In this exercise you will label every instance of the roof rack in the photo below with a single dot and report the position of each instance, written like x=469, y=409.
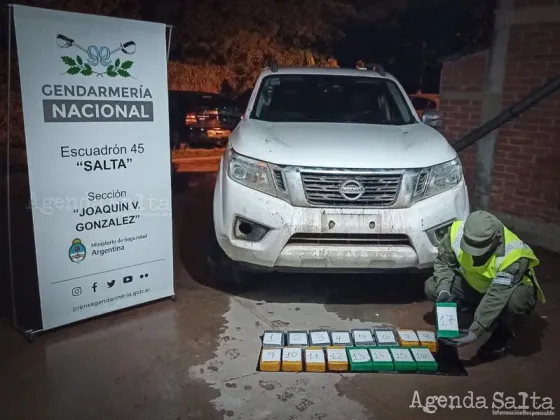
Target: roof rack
x=360, y=65
x=378, y=68
x=273, y=65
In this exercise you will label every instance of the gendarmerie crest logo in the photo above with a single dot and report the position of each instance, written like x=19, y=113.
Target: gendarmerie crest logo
x=99, y=59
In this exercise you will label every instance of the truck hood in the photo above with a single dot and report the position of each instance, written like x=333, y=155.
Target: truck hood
x=352, y=146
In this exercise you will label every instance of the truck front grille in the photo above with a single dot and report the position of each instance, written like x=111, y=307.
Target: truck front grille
x=378, y=239
x=279, y=179
x=323, y=189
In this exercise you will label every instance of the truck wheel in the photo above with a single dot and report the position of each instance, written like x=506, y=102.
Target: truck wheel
x=223, y=271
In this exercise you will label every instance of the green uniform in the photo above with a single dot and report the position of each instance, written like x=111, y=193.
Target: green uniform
x=503, y=288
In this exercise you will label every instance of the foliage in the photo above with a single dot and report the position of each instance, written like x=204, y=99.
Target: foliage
x=203, y=29
x=411, y=35
x=197, y=77
x=228, y=42
x=245, y=36
x=118, y=8
x=222, y=78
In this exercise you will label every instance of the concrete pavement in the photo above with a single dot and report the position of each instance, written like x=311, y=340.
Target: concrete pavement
x=196, y=357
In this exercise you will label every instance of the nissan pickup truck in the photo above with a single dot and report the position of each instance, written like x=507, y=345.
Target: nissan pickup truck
x=332, y=170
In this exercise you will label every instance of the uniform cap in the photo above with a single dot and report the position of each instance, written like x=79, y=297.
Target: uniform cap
x=480, y=230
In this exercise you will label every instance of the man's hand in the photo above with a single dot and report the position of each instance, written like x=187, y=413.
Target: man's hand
x=465, y=337
x=444, y=296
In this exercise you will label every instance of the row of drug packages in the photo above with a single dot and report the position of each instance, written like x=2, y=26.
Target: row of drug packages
x=382, y=337
x=343, y=359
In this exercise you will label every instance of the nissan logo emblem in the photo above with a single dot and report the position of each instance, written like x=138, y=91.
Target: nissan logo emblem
x=351, y=190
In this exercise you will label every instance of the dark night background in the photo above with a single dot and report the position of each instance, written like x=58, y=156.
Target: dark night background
x=406, y=36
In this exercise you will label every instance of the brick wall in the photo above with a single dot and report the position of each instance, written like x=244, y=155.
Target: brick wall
x=526, y=177
x=462, y=83
x=465, y=74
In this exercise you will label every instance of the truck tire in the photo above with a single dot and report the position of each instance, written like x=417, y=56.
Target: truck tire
x=223, y=271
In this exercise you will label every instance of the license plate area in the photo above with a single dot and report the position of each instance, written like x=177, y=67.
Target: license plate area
x=341, y=223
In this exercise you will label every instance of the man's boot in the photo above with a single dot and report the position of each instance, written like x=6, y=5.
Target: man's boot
x=497, y=346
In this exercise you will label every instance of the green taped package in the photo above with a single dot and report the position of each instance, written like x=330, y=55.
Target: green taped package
x=381, y=360
x=424, y=359
x=447, y=320
x=360, y=359
x=404, y=362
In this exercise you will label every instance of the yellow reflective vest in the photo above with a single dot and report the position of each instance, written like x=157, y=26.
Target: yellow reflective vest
x=480, y=277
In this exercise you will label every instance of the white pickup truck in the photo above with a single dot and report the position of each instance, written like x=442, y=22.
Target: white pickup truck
x=332, y=170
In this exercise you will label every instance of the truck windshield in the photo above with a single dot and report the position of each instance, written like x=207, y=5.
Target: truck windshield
x=331, y=99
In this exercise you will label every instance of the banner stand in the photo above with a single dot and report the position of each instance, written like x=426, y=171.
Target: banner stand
x=30, y=334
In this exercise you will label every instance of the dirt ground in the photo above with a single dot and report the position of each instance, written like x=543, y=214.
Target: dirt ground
x=196, y=357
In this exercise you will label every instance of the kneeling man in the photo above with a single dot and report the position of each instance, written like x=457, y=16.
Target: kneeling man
x=483, y=266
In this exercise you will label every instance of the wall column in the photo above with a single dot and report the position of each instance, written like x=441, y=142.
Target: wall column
x=492, y=103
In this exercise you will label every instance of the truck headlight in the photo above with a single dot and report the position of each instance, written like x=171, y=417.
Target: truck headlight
x=250, y=172
x=437, y=179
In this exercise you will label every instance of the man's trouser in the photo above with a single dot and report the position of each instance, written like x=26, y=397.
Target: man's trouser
x=521, y=303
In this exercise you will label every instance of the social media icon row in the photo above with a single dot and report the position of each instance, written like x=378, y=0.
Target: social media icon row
x=77, y=291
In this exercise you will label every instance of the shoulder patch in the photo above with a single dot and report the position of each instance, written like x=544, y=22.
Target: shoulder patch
x=504, y=279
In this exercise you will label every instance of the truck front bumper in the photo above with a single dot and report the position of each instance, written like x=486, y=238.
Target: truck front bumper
x=331, y=239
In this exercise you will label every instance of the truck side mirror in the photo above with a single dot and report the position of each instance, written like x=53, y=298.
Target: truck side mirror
x=433, y=118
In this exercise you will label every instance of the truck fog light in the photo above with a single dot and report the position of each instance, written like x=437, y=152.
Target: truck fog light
x=437, y=233
x=249, y=231
x=245, y=228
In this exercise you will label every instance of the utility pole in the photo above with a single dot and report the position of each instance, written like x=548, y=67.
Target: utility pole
x=492, y=103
